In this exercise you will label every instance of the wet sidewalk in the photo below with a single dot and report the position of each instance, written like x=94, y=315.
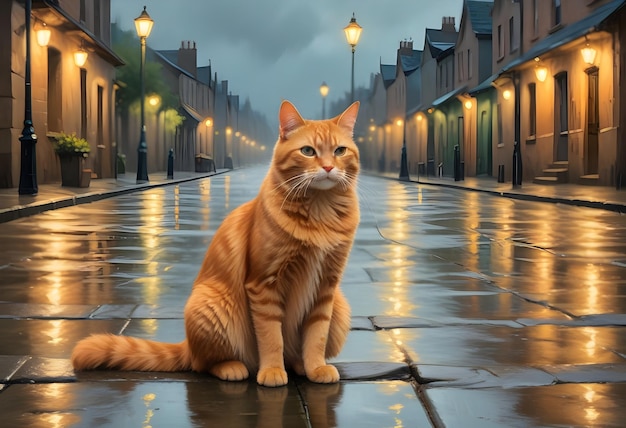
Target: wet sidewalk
x=462, y=314
x=602, y=197
x=53, y=196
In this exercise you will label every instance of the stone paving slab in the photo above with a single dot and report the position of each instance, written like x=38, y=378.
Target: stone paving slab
x=564, y=405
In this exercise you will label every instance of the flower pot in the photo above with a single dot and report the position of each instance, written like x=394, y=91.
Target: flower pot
x=72, y=174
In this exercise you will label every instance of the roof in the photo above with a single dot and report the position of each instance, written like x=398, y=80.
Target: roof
x=410, y=63
x=388, y=73
x=171, y=58
x=439, y=41
x=480, y=16
x=204, y=75
x=442, y=99
x=192, y=112
x=567, y=34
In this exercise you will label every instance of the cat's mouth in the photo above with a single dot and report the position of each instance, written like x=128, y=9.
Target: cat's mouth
x=323, y=183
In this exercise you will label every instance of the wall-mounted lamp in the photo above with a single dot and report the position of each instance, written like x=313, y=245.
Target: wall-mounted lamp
x=399, y=122
x=468, y=104
x=43, y=35
x=80, y=56
x=208, y=122
x=506, y=94
x=419, y=117
x=541, y=71
x=589, y=54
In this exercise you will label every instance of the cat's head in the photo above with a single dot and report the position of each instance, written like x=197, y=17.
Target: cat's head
x=316, y=154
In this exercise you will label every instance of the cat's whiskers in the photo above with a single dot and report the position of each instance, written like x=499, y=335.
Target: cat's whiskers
x=293, y=187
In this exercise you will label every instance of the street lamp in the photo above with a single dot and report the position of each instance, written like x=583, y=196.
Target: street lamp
x=353, y=32
x=28, y=165
x=143, y=25
x=324, y=92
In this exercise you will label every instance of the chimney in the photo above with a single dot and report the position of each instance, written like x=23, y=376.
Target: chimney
x=187, y=58
x=447, y=24
x=406, y=47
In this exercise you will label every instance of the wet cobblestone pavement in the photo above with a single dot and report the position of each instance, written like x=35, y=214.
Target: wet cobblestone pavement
x=469, y=310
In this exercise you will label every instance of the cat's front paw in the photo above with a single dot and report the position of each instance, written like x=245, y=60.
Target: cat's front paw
x=324, y=374
x=230, y=370
x=272, y=376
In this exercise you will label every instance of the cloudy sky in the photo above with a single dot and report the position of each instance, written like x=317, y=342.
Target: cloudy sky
x=284, y=49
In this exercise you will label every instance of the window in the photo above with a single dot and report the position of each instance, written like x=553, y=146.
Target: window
x=97, y=24
x=556, y=12
x=83, y=103
x=55, y=93
x=499, y=122
x=469, y=64
x=535, y=18
x=513, y=39
x=82, y=13
x=532, y=110
x=460, y=66
x=500, y=43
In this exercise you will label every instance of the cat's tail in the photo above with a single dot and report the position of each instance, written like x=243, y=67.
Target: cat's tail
x=108, y=351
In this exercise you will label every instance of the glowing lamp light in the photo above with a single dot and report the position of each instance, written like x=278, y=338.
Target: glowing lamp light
x=154, y=100
x=43, y=35
x=589, y=54
x=399, y=122
x=353, y=32
x=506, y=94
x=468, y=104
x=80, y=57
x=143, y=24
x=419, y=118
x=541, y=72
x=324, y=89
x=208, y=122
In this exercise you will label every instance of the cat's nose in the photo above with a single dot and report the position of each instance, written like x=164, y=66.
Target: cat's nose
x=328, y=168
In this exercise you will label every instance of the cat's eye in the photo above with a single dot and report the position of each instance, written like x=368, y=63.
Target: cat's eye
x=340, y=151
x=308, y=151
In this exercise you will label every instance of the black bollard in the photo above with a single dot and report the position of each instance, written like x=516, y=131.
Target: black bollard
x=500, y=173
x=457, y=163
x=170, y=164
x=404, y=165
x=517, y=165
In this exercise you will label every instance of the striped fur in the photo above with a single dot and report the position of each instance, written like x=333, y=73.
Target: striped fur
x=267, y=295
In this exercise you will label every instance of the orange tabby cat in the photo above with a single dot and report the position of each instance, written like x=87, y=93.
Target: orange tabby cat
x=267, y=295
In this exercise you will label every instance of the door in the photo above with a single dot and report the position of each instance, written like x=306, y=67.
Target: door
x=561, y=119
x=593, y=119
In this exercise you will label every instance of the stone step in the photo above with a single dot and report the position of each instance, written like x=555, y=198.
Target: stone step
x=589, y=179
x=547, y=180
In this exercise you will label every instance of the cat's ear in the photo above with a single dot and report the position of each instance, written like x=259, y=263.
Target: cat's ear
x=347, y=119
x=289, y=119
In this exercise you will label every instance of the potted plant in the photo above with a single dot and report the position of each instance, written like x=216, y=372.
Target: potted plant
x=72, y=152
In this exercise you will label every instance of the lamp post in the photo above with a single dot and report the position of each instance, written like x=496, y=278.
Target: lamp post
x=353, y=32
x=143, y=25
x=28, y=165
x=324, y=92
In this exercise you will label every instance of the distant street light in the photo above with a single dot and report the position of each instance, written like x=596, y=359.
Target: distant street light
x=324, y=92
x=353, y=32
x=28, y=165
x=143, y=25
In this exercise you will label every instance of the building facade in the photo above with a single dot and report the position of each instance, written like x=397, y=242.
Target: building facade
x=66, y=96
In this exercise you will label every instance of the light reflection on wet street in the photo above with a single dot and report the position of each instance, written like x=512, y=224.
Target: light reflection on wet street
x=469, y=306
